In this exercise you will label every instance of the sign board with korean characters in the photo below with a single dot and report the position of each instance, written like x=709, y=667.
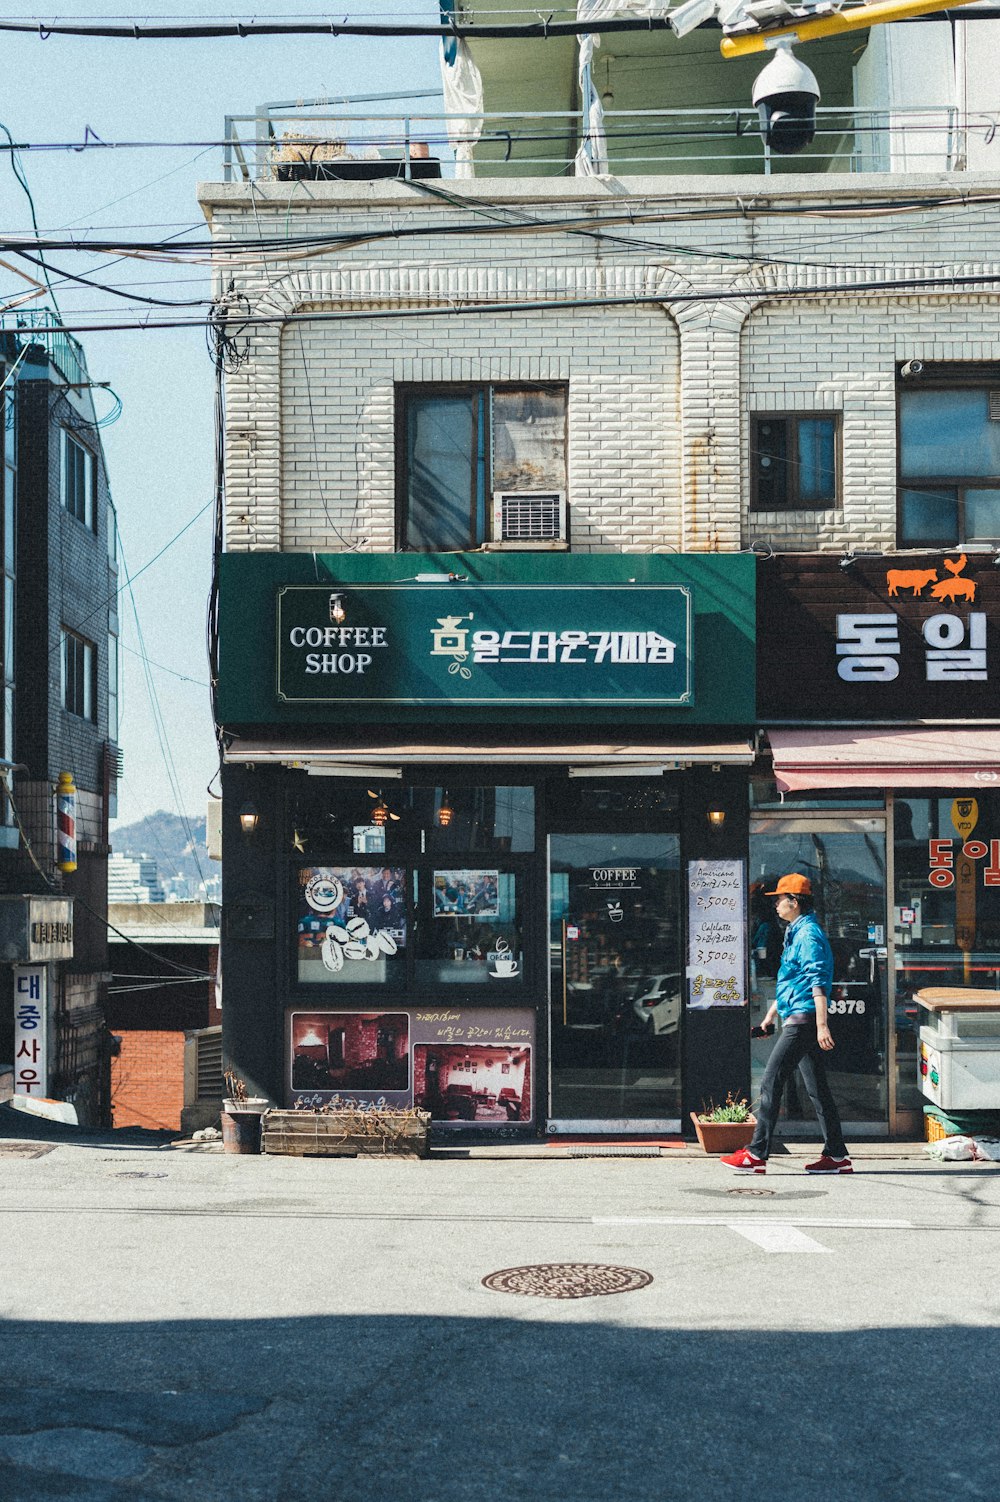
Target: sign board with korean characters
x=641, y=639
x=907, y=637
x=36, y=928
x=30, y=1024
x=473, y=644
x=717, y=934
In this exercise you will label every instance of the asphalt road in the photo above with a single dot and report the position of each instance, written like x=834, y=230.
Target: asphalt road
x=191, y=1325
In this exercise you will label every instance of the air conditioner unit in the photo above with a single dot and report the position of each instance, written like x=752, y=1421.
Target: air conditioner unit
x=535, y=518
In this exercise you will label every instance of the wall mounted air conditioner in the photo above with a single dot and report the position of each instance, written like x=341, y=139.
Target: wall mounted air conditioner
x=529, y=519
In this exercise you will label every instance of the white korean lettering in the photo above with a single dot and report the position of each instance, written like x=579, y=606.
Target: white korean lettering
x=867, y=645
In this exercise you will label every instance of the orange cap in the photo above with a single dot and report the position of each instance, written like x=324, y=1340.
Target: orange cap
x=794, y=884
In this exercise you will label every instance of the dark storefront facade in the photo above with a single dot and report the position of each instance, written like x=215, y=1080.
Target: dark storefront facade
x=484, y=833
x=880, y=711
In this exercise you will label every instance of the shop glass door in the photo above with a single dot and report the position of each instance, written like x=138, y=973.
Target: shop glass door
x=616, y=979
x=845, y=858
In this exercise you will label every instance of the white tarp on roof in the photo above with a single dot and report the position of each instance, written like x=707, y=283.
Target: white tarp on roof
x=592, y=157
x=463, y=93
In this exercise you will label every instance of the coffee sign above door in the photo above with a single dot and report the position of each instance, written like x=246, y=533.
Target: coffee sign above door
x=882, y=637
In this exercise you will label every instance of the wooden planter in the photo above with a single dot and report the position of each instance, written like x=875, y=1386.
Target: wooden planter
x=724, y=1136
x=336, y=1134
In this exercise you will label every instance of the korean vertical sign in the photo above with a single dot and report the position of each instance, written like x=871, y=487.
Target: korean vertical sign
x=30, y=1015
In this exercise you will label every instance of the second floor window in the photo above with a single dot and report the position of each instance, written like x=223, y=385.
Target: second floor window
x=464, y=451
x=794, y=462
x=78, y=480
x=949, y=465
x=79, y=675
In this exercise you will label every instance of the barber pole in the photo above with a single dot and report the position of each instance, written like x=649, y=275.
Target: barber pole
x=66, y=822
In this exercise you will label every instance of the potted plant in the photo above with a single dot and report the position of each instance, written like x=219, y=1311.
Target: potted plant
x=346, y=1128
x=725, y=1128
x=241, y=1115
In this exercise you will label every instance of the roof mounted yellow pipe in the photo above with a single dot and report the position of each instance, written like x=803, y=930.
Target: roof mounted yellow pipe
x=856, y=19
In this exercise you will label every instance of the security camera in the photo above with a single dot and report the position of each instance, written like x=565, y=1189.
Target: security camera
x=686, y=17
x=911, y=369
x=786, y=95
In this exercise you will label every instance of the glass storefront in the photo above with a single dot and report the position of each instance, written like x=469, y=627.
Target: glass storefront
x=845, y=858
x=946, y=909
x=616, y=978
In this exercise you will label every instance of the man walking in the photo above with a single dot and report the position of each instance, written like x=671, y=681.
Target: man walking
x=801, y=995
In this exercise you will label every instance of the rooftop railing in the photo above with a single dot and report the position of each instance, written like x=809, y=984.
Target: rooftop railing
x=281, y=145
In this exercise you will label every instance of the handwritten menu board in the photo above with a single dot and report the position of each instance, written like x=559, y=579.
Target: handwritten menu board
x=716, y=934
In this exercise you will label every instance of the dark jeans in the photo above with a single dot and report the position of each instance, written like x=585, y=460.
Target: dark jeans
x=797, y=1047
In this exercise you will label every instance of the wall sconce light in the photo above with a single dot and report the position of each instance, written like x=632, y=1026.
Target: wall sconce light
x=249, y=819
x=716, y=817
x=445, y=813
x=337, y=612
x=847, y=561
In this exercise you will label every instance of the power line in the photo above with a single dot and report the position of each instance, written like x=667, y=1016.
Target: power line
x=537, y=29
x=456, y=308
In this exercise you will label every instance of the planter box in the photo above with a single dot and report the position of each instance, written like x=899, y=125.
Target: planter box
x=335, y=1134
x=724, y=1136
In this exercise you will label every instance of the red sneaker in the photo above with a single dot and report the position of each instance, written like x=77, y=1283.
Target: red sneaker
x=830, y=1165
x=745, y=1162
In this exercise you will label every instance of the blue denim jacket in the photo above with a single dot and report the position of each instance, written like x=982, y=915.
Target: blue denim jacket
x=806, y=961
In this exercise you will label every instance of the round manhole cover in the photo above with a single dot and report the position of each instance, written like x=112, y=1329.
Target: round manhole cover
x=567, y=1280
x=138, y=1174
x=760, y=1194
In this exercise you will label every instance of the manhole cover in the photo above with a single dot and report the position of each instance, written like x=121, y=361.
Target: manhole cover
x=25, y=1149
x=567, y=1280
x=139, y=1174
x=760, y=1194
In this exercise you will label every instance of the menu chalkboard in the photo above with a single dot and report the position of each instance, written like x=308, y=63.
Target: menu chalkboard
x=716, y=934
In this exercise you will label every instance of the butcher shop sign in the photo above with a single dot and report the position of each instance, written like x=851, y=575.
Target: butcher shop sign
x=880, y=637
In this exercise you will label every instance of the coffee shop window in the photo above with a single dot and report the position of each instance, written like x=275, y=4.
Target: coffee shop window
x=480, y=464
x=794, y=461
x=469, y=927
x=327, y=815
x=949, y=462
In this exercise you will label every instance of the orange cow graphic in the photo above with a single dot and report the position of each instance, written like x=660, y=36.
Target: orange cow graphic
x=914, y=579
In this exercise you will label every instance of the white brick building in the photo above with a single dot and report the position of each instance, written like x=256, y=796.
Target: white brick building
x=731, y=362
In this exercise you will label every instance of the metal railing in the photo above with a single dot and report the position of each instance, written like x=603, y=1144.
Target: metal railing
x=287, y=145
x=65, y=352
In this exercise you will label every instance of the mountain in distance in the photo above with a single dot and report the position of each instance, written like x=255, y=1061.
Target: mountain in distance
x=176, y=845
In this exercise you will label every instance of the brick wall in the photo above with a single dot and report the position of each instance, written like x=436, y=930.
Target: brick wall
x=147, y=1080
x=659, y=395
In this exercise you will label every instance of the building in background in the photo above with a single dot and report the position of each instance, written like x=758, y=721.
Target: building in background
x=605, y=527
x=134, y=879
x=163, y=994
x=59, y=715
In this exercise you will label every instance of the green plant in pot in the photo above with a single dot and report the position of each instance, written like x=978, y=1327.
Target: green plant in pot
x=725, y=1128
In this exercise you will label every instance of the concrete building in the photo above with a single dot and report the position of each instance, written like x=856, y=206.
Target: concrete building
x=59, y=715
x=134, y=879
x=609, y=528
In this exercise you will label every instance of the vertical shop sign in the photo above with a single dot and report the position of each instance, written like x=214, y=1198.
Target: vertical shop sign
x=716, y=934
x=30, y=1063
x=965, y=816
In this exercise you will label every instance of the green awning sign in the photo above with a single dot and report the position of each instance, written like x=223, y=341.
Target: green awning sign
x=466, y=643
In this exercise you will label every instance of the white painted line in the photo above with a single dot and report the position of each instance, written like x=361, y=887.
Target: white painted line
x=780, y=1238
x=751, y=1220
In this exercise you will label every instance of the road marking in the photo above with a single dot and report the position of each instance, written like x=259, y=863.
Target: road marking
x=780, y=1238
x=752, y=1221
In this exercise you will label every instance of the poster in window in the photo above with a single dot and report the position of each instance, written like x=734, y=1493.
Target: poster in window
x=466, y=894
x=351, y=921
x=716, y=934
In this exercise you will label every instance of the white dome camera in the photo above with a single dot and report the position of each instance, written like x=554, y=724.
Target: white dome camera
x=786, y=95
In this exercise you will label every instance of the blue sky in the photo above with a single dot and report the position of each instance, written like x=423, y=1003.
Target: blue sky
x=159, y=452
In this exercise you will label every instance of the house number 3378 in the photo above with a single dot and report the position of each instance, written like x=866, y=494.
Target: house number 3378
x=846, y=1004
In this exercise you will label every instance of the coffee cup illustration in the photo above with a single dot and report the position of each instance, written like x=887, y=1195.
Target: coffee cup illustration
x=504, y=963
x=615, y=911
